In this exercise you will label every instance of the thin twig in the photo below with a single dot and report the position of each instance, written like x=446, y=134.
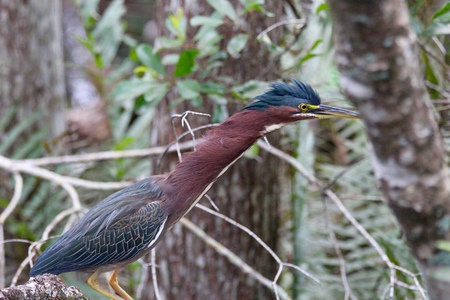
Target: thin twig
x=19, y=270
x=254, y=236
x=154, y=277
x=275, y=279
x=106, y=155
x=63, y=181
x=291, y=160
x=18, y=186
x=341, y=259
x=300, y=22
x=212, y=202
x=392, y=267
x=233, y=258
x=59, y=217
x=184, y=122
x=45, y=237
x=17, y=241
x=143, y=280
x=243, y=228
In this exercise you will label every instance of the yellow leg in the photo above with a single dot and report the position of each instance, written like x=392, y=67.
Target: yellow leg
x=93, y=282
x=114, y=283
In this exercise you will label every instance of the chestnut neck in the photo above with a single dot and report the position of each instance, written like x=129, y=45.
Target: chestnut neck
x=223, y=145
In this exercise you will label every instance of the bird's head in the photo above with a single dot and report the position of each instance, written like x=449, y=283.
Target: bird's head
x=295, y=102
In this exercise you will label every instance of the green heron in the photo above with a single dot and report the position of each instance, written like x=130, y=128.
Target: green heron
x=129, y=223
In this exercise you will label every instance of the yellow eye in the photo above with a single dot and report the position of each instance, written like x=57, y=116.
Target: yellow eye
x=303, y=107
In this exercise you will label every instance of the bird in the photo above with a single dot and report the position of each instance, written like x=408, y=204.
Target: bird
x=129, y=223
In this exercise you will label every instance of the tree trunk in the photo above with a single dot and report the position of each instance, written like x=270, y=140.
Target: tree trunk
x=378, y=59
x=31, y=61
x=250, y=192
x=31, y=87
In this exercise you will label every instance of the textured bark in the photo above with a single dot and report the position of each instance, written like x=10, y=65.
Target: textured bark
x=43, y=287
x=250, y=193
x=80, y=89
x=87, y=119
x=31, y=60
x=32, y=79
x=378, y=59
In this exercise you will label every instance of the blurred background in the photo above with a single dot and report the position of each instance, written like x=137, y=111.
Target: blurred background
x=88, y=76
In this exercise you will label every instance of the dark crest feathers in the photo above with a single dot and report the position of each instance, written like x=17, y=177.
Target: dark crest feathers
x=285, y=94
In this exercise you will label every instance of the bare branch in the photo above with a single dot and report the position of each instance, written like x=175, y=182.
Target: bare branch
x=298, y=22
x=106, y=155
x=184, y=122
x=63, y=181
x=15, y=198
x=392, y=267
x=233, y=258
x=38, y=288
x=154, y=277
x=254, y=236
x=9, y=209
x=337, y=250
x=290, y=160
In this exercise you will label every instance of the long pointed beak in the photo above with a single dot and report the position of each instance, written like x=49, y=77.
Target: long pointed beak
x=325, y=112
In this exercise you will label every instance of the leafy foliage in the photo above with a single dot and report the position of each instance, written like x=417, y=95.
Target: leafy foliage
x=180, y=66
x=23, y=139
x=433, y=30
x=184, y=67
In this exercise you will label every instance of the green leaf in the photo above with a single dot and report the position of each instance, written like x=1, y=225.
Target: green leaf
x=18, y=129
x=209, y=39
x=218, y=99
x=443, y=245
x=249, y=89
x=177, y=24
x=254, y=7
x=307, y=57
x=87, y=8
x=316, y=43
x=30, y=144
x=322, y=7
x=441, y=273
x=443, y=12
x=124, y=143
x=208, y=21
x=431, y=75
x=130, y=89
x=168, y=43
x=437, y=29
x=140, y=71
x=150, y=59
x=156, y=94
x=224, y=8
x=197, y=102
x=171, y=59
x=88, y=43
x=185, y=63
x=220, y=114
x=441, y=22
x=257, y=6
x=7, y=116
x=236, y=44
x=252, y=152
x=188, y=89
x=211, y=87
x=109, y=32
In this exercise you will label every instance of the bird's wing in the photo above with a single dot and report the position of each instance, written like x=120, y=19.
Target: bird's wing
x=122, y=240
x=115, y=230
